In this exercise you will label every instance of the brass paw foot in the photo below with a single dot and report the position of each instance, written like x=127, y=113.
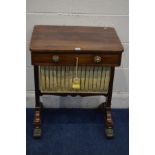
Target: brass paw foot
x=109, y=132
x=37, y=132
x=37, y=123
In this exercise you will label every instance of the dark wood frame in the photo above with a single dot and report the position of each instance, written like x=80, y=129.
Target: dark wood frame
x=94, y=41
x=105, y=107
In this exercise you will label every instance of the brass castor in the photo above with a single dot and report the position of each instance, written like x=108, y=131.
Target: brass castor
x=37, y=132
x=109, y=132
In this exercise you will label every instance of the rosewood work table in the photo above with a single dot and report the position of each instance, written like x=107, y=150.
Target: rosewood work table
x=74, y=60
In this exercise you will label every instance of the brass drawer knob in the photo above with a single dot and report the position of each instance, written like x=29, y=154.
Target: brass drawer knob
x=97, y=59
x=55, y=58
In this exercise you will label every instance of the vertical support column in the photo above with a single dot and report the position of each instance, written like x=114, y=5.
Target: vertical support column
x=107, y=108
x=38, y=105
x=109, y=97
x=36, y=84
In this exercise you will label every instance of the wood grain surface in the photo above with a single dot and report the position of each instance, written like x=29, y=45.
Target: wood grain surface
x=75, y=39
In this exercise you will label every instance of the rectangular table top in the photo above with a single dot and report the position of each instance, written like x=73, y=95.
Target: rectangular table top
x=46, y=38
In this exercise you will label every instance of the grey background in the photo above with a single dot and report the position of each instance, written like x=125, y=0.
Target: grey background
x=83, y=13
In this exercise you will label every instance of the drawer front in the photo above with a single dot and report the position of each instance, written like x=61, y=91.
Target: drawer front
x=70, y=59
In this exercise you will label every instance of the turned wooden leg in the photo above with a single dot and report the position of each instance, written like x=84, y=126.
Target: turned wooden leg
x=108, y=122
x=37, y=123
x=106, y=108
x=37, y=132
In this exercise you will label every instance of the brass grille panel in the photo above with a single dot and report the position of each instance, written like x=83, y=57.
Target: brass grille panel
x=93, y=79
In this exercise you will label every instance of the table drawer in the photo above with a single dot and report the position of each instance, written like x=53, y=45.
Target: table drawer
x=70, y=59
